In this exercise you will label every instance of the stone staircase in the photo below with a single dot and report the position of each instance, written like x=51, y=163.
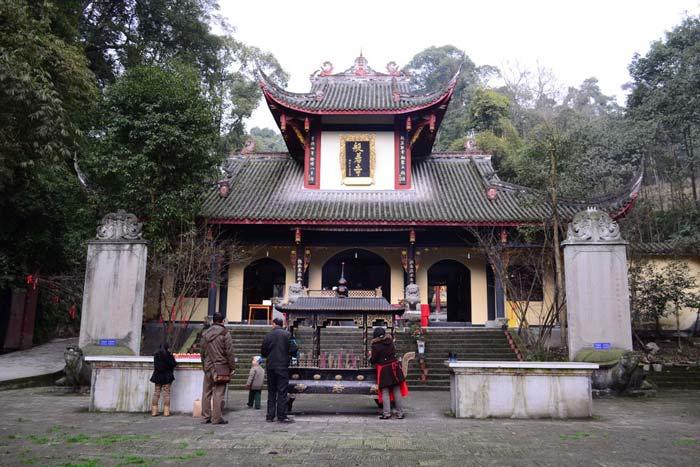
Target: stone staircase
x=246, y=344
x=475, y=344
x=677, y=377
x=467, y=343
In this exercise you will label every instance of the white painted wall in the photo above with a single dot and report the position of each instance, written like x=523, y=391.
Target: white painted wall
x=331, y=177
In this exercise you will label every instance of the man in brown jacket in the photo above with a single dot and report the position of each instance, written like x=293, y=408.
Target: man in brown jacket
x=217, y=360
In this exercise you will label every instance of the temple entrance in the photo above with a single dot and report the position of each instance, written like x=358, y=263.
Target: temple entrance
x=449, y=290
x=263, y=280
x=364, y=270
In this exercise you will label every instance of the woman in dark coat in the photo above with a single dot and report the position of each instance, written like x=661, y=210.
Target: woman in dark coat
x=390, y=377
x=163, y=366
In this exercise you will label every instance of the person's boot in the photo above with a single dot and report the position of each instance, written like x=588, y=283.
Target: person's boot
x=154, y=411
x=166, y=410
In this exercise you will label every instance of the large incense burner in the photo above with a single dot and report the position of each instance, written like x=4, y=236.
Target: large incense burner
x=320, y=372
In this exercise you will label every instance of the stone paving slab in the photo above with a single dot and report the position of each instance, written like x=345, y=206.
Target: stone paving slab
x=45, y=426
x=40, y=360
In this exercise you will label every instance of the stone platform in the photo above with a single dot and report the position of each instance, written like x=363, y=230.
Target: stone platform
x=121, y=384
x=521, y=389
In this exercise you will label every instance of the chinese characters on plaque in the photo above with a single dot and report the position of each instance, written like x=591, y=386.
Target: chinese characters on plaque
x=313, y=163
x=402, y=159
x=357, y=158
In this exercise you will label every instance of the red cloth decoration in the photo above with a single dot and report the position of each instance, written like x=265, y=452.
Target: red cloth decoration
x=402, y=385
x=73, y=311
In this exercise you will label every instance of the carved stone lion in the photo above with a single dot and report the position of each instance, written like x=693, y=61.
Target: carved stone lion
x=625, y=377
x=412, y=296
x=77, y=371
x=296, y=290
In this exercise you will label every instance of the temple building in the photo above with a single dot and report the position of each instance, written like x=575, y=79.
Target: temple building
x=360, y=185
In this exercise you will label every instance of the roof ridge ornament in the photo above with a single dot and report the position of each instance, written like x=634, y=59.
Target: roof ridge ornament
x=393, y=68
x=326, y=68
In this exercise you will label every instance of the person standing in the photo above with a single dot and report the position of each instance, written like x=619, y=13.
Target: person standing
x=390, y=377
x=256, y=379
x=218, y=364
x=163, y=376
x=277, y=349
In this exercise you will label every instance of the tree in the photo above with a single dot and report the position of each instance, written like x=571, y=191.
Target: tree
x=46, y=97
x=655, y=289
x=665, y=90
x=589, y=100
x=121, y=34
x=431, y=69
x=187, y=262
x=267, y=140
x=153, y=149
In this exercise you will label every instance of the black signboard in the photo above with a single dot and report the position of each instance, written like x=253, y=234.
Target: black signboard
x=357, y=159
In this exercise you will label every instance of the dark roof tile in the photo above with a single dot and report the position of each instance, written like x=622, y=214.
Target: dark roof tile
x=446, y=190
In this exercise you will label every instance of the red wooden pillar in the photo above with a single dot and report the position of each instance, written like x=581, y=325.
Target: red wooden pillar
x=29, y=317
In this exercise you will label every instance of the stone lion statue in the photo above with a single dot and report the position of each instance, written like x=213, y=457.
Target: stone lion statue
x=77, y=371
x=624, y=377
x=296, y=290
x=412, y=296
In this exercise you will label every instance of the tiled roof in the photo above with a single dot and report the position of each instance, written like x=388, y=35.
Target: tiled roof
x=358, y=88
x=668, y=248
x=447, y=190
x=349, y=304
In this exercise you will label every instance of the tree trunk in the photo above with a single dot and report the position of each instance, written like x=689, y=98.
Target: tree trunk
x=678, y=326
x=556, y=248
x=691, y=158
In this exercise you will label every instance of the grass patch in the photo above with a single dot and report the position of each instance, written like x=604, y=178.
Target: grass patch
x=12, y=437
x=686, y=442
x=182, y=445
x=107, y=440
x=189, y=455
x=576, y=436
x=79, y=438
x=131, y=459
x=83, y=463
x=37, y=439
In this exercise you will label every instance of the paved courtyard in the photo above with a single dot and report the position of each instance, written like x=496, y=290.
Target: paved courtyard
x=42, y=426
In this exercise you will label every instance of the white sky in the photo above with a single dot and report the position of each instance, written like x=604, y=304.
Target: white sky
x=576, y=39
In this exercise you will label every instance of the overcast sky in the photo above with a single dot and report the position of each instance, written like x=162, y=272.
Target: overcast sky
x=576, y=39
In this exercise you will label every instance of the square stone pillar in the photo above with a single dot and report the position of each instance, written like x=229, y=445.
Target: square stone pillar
x=115, y=277
x=597, y=289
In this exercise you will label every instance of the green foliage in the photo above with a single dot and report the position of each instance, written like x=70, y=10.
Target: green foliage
x=665, y=93
x=431, y=69
x=153, y=151
x=46, y=97
x=267, y=140
x=488, y=110
x=659, y=292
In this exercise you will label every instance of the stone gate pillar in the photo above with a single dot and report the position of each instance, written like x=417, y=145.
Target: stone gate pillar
x=597, y=291
x=115, y=276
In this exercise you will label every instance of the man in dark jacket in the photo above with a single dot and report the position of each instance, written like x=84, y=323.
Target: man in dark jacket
x=276, y=348
x=218, y=363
